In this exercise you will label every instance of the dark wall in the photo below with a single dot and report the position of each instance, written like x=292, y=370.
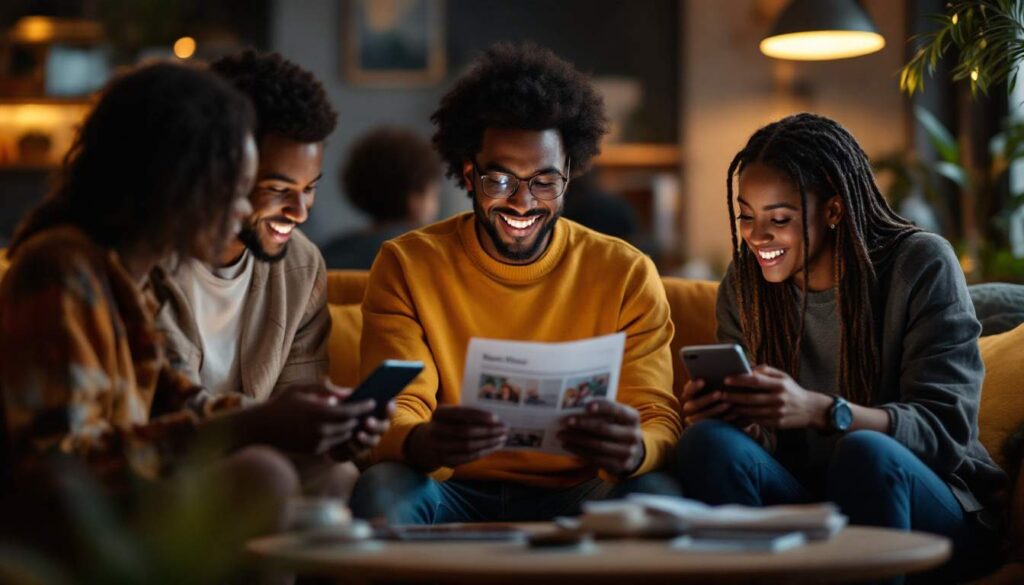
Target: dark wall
x=602, y=37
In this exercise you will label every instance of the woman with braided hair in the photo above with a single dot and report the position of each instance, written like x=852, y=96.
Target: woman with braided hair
x=868, y=380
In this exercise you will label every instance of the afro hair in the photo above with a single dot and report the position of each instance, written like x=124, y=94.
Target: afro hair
x=385, y=167
x=524, y=87
x=288, y=99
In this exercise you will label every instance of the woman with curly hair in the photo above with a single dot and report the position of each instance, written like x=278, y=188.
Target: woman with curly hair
x=161, y=167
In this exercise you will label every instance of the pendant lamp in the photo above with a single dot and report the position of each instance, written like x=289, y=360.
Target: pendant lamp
x=821, y=30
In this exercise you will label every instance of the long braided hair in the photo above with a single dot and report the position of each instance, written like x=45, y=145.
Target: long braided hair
x=821, y=159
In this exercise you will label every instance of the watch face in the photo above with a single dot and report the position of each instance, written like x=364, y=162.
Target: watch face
x=842, y=415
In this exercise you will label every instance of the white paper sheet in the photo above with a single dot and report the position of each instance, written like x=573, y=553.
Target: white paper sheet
x=530, y=386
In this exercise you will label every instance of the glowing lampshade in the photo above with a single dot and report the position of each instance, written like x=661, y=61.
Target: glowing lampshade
x=820, y=30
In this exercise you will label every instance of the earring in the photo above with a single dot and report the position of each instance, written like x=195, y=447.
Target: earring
x=832, y=226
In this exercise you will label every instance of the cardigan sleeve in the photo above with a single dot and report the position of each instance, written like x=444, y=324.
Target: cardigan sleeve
x=941, y=373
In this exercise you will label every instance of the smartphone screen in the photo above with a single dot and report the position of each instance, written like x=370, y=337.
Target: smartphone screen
x=714, y=363
x=386, y=382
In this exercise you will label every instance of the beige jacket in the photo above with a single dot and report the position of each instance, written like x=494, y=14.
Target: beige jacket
x=285, y=323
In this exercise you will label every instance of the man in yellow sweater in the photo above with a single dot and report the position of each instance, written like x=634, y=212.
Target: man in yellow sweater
x=512, y=132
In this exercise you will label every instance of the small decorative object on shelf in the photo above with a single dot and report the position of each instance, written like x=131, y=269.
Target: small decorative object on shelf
x=34, y=148
x=48, y=69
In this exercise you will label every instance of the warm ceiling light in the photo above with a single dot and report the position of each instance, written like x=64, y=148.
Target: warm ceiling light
x=184, y=47
x=819, y=30
x=42, y=30
x=34, y=29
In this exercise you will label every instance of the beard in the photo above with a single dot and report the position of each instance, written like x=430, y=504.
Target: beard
x=249, y=235
x=506, y=251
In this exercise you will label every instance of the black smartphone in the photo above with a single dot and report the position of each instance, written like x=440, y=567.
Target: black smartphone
x=714, y=363
x=386, y=382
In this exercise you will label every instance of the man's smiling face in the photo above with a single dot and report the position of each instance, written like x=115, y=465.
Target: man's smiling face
x=516, y=230
x=284, y=194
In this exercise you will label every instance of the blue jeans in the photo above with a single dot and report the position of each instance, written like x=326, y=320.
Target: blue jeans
x=405, y=496
x=873, y=479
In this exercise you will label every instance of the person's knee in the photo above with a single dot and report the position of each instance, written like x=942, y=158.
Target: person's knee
x=868, y=460
x=384, y=487
x=865, y=451
x=267, y=468
x=336, y=480
x=655, y=483
x=261, y=482
x=389, y=475
x=708, y=441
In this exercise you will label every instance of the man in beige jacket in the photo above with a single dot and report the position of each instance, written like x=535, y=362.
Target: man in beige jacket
x=257, y=320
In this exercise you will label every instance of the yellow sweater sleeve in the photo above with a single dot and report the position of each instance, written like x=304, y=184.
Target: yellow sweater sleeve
x=392, y=330
x=646, y=379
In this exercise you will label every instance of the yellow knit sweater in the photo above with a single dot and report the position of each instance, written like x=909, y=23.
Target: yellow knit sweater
x=433, y=289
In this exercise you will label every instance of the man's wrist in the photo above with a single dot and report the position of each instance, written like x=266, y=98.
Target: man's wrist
x=639, y=462
x=413, y=450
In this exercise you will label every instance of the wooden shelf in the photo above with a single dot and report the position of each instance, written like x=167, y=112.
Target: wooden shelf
x=45, y=101
x=640, y=155
x=20, y=168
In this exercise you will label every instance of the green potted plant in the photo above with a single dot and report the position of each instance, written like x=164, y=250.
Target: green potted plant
x=988, y=36
x=986, y=40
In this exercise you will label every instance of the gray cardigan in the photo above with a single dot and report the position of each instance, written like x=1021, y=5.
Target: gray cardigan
x=931, y=369
x=285, y=322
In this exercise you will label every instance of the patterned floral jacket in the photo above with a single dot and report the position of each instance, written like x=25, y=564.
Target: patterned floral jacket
x=82, y=368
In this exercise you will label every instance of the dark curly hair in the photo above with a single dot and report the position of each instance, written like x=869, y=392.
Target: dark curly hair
x=385, y=167
x=156, y=162
x=289, y=100
x=524, y=87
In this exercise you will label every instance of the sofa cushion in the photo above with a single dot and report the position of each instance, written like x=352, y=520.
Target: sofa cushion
x=692, y=303
x=1002, y=394
x=346, y=287
x=999, y=306
x=343, y=344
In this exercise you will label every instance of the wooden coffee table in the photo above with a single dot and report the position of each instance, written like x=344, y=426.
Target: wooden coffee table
x=855, y=554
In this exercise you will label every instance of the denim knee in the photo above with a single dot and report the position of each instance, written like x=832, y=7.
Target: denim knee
x=713, y=462
x=865, y=455
x=709, y=442
x=654, y=483
x=386, y=489
x=866, y=471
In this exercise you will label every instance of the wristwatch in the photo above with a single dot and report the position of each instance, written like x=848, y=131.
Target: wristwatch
x=840, y=415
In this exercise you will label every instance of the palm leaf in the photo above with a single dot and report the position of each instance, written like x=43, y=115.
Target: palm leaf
x=989, y=35
x=941, y=138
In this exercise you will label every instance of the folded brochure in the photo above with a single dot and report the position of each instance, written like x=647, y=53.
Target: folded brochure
x=531, y=386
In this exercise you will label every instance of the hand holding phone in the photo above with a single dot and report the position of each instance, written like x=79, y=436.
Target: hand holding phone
x=385, y=383
x=708, y=366
x=381, y=386
x=714, y=363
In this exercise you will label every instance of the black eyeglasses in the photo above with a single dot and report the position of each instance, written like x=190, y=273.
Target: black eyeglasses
x=544, y=185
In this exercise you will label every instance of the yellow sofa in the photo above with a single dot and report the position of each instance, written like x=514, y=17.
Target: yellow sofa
x=693, y=314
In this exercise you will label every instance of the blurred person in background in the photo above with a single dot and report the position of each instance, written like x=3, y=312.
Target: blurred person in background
x=392, y=175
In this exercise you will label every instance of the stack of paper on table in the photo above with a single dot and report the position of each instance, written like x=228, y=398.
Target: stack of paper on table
x=815, y=521
x=698, y=527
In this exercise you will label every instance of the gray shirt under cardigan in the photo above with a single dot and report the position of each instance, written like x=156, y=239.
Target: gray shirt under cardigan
x=931, y=370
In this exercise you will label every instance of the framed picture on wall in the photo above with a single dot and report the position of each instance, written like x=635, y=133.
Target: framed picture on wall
x=393, y=43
